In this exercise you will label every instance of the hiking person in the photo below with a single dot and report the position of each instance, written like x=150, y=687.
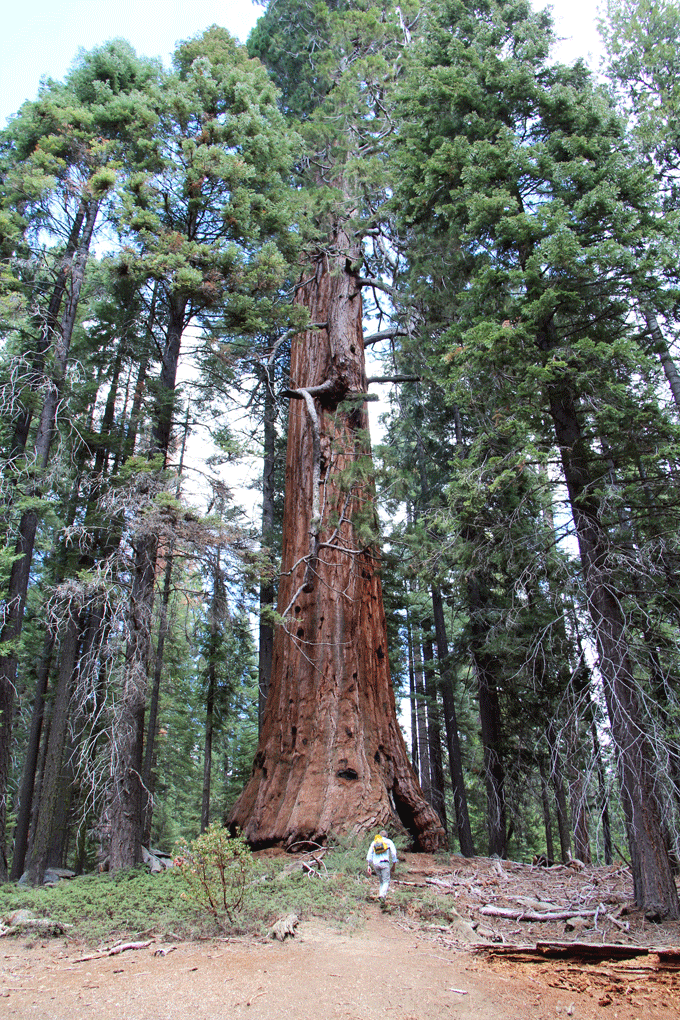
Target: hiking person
x=382, y=854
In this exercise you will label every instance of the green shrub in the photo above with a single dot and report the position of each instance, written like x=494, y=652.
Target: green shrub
x=216, y=868
x=95, y=908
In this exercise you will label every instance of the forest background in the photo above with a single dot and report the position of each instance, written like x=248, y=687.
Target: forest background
x=518, y=259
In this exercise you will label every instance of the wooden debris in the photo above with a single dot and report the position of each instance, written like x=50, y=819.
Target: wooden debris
x=532, y=903
x=534, y=915
x=284, y=926
x=311, y=863
x=113, y=951
x=669, y=958
x=23, y=922
x=579, y=950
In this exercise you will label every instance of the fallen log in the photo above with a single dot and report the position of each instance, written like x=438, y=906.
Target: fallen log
x=579, y=950
x=113, y=951
x=534, y=915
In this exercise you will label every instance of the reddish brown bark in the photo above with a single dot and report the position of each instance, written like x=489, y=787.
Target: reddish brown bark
x=331, y=757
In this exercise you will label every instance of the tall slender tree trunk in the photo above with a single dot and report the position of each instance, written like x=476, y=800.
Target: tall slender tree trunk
x=51, y=786
x=578, y=794
x=128, y=795
x=28, y=775
x=545, y=805
x=148, y=775
x=217, y=617
x=267, y=587
x=603, y=796
x=460, y=804
x=49, y=328
x=562, y=810
x=446, y=686
x=126, y=806
x=331, y=757
x=421, y=719
x=28, y=525
x=207, y=745
x=490, y=719
x=434, y=729
x=653, y=881
x=413, y=694
x=661, y=348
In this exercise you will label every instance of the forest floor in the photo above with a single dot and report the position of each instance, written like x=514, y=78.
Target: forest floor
x=448, y=951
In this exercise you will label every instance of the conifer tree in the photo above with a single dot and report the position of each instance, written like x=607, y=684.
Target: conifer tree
x=204, y=221
x=515, y=173
x=63, y=154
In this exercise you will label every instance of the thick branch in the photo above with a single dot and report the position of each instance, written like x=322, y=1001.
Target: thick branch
x=377, y=285
x=384, y=334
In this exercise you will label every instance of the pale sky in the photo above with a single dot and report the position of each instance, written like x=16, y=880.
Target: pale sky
x=42, y=38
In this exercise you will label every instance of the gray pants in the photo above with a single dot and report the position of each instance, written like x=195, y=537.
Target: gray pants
x=382, y=870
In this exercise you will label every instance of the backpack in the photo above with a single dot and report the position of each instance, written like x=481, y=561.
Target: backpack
x=380, y=845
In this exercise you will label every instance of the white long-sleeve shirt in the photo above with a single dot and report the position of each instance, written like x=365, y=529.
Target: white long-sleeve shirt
x=389, y=855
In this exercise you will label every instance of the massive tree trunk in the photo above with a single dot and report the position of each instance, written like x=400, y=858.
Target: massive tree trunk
x=331, y=757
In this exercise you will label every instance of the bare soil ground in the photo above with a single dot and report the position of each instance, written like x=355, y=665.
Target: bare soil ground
x=445, y=955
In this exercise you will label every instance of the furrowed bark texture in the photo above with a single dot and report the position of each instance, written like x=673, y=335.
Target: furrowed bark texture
x=331, y=757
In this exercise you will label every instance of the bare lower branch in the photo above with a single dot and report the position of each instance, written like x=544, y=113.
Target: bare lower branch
x=384, y=334
x=377, y=285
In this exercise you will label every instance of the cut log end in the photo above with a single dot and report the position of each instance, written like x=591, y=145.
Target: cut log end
x=283, y=927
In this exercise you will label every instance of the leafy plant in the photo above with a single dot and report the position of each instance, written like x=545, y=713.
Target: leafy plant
x=216, y=868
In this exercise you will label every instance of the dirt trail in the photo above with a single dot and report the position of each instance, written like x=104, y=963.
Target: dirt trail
x=379, y=971
x=383, y=969
x=415, y=964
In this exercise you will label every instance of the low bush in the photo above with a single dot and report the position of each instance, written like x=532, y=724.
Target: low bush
x=130, y=904
x=216, y=868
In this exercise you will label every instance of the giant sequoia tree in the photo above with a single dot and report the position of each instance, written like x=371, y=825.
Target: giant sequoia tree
x=331, y=756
